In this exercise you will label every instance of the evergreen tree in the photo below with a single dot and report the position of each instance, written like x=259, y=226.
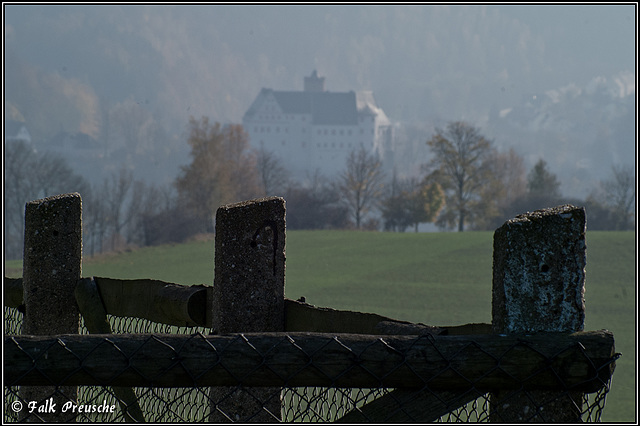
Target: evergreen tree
x=541, y=183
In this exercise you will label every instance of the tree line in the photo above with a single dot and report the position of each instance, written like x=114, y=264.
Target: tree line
x=467, y=184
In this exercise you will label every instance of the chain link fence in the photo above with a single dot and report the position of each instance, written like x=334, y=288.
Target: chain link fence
x=330, y=403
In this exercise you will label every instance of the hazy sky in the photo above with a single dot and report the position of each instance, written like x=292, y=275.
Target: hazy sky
x=353, y=46
x=584, y=38
x=425, y=63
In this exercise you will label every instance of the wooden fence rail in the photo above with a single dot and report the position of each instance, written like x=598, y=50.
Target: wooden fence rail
x=578, y=362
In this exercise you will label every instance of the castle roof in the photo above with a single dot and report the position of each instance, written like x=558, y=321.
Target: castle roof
x=325, y=108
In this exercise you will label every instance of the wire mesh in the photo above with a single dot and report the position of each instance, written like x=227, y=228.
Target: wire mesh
x=296, y=404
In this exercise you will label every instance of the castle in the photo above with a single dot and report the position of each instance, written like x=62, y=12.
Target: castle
x=316, y=130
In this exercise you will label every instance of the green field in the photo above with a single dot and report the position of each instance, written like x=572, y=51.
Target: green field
x=433, y=278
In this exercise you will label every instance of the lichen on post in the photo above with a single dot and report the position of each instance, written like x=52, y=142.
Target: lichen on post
x=52, y=267
x=539, y=272
x=539, y=261
x=248, y=294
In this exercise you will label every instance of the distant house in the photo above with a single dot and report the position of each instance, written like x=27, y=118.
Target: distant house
x=315, y=130
x=65, y=141
x=16, y=131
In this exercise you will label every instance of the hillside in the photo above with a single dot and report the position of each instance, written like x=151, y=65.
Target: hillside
x=432, y=278
x=131, y=76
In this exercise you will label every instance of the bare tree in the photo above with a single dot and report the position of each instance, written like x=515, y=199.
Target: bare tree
x=502, y=192
x=116, y=195
x=222, y=169
x=361, y=184
x=30, y=175
x=410, y=203
x=510, y=171
x=619, y=195
x=316, y=205
x=273, y=176
x=141, y=203
x=394, y=207
x=94, y=221
x=18, y=189
x=462, y=166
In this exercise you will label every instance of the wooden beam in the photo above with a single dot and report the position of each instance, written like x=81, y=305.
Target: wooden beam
x=467, y=329
x=155, y=300
x=410, y=406
x=95, y=319
x=13, y=292
x=194, y=300
x=581, y=361
x=301, y=316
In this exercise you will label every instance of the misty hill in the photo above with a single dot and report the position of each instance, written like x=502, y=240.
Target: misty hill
x=130, y=76
x=579, y=131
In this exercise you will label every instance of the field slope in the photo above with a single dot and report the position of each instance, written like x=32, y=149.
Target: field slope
x=434, y=278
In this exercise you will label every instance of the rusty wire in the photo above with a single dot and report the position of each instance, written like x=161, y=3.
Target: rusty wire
x=298, y=404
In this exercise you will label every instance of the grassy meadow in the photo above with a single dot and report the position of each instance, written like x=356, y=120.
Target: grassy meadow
x=432, y=278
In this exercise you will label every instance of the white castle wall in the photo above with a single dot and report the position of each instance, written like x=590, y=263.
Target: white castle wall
x=304, y=147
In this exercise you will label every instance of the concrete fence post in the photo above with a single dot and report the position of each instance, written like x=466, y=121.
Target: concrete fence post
x=52, y=266
x=539, y=261
x=248, y=295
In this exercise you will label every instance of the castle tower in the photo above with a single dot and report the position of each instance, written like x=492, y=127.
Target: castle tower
x=314, y=83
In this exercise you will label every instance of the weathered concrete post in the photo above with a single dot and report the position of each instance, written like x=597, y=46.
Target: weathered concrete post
x=248, y=295
x=539, y=263
x=52, y=266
